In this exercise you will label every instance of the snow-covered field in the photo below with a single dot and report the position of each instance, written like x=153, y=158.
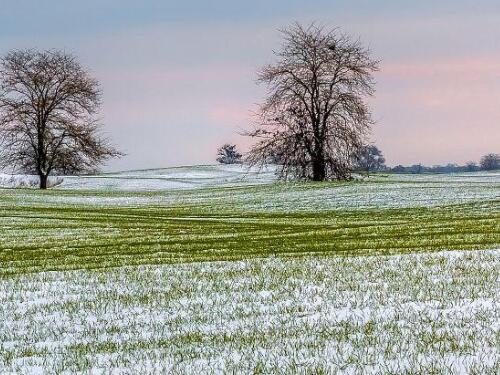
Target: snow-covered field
x=425, y=314
x=189, y=177
x=217, y=269
x=251, y=189
x=152, y=179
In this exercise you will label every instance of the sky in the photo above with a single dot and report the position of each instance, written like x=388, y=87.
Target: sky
x=179, y=77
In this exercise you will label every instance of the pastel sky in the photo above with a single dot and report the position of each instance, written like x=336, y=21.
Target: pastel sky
x=178, y=77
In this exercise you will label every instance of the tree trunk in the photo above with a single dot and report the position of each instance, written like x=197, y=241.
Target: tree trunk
x=43, y=181
x=319, y=170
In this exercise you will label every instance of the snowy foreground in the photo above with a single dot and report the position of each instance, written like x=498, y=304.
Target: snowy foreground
x=427, y=313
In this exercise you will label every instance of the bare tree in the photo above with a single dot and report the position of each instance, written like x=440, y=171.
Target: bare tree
x=315, y=116
x=227, y=154
x=48, y=104
x=490, y=162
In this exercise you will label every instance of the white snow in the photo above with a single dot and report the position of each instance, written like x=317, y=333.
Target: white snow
x=250, y=190
x=172, y=178
x=428, y=312
x=25, y=181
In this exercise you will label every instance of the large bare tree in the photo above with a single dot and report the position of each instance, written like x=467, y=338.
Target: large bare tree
x=48, y=108
x=315, y=116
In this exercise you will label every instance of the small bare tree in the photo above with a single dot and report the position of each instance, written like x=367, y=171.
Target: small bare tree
x=490, y=162
x=228, y=154
x=48, y=104
x=315, y=116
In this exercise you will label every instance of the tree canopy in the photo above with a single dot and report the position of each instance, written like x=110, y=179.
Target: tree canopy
x=315, y=116
x=228, y=154
x=48, y=109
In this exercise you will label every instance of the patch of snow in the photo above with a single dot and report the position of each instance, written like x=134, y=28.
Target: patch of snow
x=26, y=181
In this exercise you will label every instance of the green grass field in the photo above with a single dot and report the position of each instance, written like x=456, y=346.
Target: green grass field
x=253, y=278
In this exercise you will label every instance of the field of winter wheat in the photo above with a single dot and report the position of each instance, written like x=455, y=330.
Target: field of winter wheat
x=220, y=269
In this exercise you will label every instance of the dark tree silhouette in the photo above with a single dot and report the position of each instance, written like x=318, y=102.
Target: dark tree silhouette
x=48, y=104
x=315, y=116
x=227, y=154
x=369, y=158
x=490, y=162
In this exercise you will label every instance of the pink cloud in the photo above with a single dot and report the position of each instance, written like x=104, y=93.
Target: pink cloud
x=467, y=69
x=438, y=112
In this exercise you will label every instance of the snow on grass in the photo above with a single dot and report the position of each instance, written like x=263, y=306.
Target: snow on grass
x=236, y=186
x=427, y=313
x=365, y=195
x=60, y=237
x=172, y=178
x=26, y=181
x=214, y=269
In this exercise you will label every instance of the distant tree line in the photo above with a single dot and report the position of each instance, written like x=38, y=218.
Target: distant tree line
x=369, y=159
x=489, y=162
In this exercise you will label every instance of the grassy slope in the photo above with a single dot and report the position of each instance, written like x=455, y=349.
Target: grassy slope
x=41, y=236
